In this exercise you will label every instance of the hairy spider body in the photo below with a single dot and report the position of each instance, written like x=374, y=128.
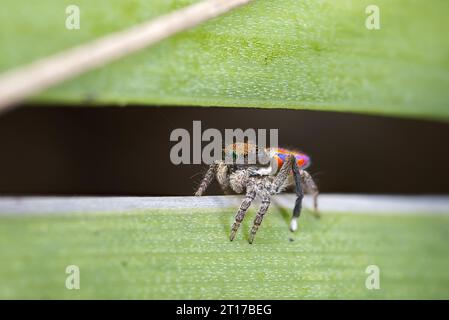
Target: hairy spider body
x=285, y=170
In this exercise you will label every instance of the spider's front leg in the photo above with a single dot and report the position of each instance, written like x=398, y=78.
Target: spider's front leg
x=278, y=182
x=259, y=217
x=208, y=177
x=249, y=197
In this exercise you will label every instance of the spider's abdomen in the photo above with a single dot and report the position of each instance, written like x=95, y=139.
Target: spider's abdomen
x=281, y=154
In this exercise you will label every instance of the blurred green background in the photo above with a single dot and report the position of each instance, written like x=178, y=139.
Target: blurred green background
x=314, y=54
x=186, y=254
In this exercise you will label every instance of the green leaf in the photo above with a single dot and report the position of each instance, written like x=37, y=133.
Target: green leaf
x=186, y=254
x=310, y=54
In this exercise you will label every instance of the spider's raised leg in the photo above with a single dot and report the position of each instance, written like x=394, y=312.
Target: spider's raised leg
x=310, y=187
x=283, y=174
x=208, y=177
x=288, y=166
x=259, y=217
x=299, y=197
x=249, y=197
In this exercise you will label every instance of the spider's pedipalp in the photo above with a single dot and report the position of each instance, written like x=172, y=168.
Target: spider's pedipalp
x=249, y=197
x=223, y=177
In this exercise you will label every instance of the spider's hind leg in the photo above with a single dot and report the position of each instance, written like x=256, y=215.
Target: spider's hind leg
x=311, y=187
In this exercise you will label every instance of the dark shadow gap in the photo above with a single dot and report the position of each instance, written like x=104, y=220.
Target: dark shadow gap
x=126, y=151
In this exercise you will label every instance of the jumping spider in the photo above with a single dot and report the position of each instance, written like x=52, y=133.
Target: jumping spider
x=285, y=170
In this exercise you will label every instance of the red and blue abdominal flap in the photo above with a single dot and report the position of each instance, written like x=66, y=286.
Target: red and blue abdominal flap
x=281, y=155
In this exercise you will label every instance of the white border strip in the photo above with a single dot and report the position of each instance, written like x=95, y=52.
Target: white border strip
x=344, y=203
